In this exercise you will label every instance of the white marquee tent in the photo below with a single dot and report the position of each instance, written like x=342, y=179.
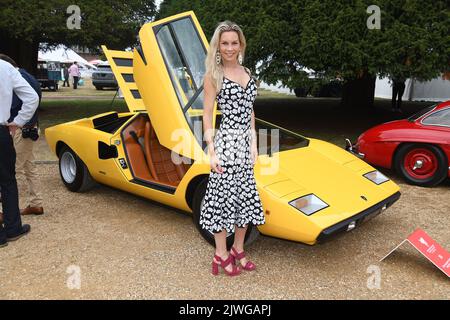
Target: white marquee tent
x=64, y=55
x=437, y=89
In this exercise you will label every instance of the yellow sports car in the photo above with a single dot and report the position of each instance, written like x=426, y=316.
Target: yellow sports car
x=310, y=189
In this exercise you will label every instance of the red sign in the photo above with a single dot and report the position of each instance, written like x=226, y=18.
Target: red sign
x=420, y=240
x=431, y=249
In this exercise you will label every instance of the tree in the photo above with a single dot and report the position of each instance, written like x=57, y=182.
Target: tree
x=332, y=38
x=25, y=24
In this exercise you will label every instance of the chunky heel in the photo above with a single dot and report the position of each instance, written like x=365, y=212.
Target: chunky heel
x=224, y=263
x=215, y=269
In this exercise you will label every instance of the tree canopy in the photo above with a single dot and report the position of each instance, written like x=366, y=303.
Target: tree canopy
x=332, y=37
x=24, y=24
x=115, y=23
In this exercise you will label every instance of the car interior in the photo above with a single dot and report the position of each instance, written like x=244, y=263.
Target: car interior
x=148, y=159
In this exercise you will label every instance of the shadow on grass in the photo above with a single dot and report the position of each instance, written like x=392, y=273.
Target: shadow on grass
x=320, y=118
x=53, y=112
x=324, y=119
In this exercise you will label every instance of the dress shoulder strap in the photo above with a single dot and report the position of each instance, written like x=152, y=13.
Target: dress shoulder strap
x=248, y=71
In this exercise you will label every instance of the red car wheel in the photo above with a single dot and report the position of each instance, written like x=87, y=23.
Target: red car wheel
x=421, y=164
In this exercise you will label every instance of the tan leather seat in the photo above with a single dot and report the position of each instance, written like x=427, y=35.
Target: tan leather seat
x=165, y=170
x=148, y=152
x=134, y=150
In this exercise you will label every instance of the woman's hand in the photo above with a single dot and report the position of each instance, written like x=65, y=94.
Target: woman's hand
x=254, y=152
x=214, y=162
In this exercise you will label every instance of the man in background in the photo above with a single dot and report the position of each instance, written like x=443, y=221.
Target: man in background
x=24, y=142
x=74, y=71
x=66, y=76
x=398, y=88
x=11, y=81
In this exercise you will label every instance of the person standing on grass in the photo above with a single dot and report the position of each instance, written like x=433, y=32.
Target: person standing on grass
x=12, y=81
x=74, y=72
x=398, y=88
x=66, y=76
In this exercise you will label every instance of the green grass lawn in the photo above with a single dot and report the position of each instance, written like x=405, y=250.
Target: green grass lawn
x=86, y=90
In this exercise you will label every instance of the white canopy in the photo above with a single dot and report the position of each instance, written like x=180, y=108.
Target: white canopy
x=64, y=55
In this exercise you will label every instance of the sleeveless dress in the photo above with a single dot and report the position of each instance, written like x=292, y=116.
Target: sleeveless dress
x=232, y=198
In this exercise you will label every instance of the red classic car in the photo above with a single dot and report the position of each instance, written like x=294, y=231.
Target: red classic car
x=418, y=147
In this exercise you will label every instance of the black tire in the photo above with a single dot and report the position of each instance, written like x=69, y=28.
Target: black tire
x=426, y=180
x=252, y=232
x=98, y=87
x=74, y=173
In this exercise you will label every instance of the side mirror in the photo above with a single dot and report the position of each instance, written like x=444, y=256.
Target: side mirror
x=106, y=151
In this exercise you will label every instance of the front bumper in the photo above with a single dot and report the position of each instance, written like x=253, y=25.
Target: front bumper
x=356, y=220
x=353, y=149
x=104, y=82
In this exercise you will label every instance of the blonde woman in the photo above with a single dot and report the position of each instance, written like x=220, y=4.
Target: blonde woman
x=231, y=200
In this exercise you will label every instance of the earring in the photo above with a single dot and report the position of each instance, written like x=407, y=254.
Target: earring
x=240, y=58
x=218, y=57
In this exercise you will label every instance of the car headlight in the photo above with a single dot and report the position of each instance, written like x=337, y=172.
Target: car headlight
x=308, y=204
x=376, y=177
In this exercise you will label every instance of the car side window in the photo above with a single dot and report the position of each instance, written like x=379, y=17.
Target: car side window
x=184, y=55
x=439, y=118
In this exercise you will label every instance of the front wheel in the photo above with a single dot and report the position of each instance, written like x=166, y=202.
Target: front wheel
x=199, y=197
x=421, y=164
x=74, y=173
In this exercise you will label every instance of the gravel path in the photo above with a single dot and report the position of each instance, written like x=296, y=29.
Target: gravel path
x=126, y=247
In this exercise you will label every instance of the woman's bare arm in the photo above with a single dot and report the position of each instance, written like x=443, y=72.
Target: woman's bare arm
x=254, y=135
x=208, y=109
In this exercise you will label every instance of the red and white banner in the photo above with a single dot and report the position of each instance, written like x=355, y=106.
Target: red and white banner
x=420, y=240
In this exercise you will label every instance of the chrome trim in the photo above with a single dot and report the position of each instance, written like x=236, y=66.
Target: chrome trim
x=350, y=148
x=429, y=114
x=418, y=165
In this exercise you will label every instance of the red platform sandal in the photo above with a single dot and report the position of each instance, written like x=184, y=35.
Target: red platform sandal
x=224, y=263
x=249, y=266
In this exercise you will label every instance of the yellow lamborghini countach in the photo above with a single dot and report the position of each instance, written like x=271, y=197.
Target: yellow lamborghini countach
x=311, y=190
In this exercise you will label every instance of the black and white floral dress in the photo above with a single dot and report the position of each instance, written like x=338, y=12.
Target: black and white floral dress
x=231, y=197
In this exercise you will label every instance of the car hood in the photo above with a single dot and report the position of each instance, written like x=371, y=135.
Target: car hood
x=404, y=130
x=327, y=171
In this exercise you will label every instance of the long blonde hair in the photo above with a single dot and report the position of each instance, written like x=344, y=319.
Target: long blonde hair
x=214, y=70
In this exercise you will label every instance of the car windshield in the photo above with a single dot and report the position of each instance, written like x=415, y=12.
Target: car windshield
x=416, y=116
x=103, y=68
x=438, y=118
x=184, y=55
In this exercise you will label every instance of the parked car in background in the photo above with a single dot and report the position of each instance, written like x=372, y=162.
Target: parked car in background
x=418, y=147
x=103, y=77
x=86, y=72
x=48, y=74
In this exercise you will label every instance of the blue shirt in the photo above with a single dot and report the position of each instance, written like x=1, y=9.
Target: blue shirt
x=12, y=81
x=16, y=104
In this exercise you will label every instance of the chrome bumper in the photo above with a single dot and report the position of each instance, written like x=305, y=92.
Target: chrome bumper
x=353, y=149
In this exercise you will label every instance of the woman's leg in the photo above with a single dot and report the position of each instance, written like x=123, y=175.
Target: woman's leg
x=239, y=237
x=221, y=247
